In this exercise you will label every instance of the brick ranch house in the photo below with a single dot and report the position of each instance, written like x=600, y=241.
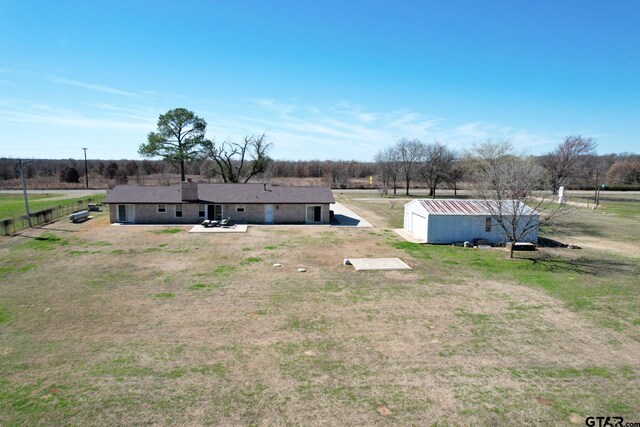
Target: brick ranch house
x=191, y=203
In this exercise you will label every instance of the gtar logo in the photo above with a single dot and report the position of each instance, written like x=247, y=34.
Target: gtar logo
x=604, y=421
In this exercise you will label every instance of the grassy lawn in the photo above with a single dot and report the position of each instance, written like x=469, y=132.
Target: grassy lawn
x=12, y=205
x=143, y=325
x=627, y=210
x=380, y=211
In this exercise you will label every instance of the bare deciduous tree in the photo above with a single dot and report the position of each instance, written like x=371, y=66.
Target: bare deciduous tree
x=410, y=155
x=624, y=172
x=564, y=161
x=238, y=162
x=131, y=168
x=149, y=167
x=436, y=165
x=389, y=167
x=69, y=174
x=337, y=173
x=456, y=175
x=110, y=170
x=506, y=183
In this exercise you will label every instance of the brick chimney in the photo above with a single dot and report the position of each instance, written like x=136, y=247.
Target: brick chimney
x=189, y=190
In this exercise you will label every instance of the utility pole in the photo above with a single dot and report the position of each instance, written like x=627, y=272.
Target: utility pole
x=595, y=194
x=24, y=191
x=86, y=170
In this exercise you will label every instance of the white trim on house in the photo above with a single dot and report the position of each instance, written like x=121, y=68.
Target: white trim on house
x=313, y=213
x=176, y=210
x=129, y=213
x=162, y=209
x=213, y=206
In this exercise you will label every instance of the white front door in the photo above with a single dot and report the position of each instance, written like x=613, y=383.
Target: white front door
x=268, y=214
x=125, y=213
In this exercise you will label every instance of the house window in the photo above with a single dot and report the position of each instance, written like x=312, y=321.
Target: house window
x=162, y=208
x=487, y=224
x=201, y=210
x=239, y=208
x=178, y=211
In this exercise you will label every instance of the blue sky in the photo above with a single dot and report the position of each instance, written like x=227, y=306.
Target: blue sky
x=323, y=79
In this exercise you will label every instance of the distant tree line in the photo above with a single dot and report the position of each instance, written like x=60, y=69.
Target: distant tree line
x=405, y=164
x=438, y=167
x=573, y=163
x=337, y=172
x=71, y=170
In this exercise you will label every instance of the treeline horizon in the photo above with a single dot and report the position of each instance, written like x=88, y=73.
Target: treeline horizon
x=336, y=173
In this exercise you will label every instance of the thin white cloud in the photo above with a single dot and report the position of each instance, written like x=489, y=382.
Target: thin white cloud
x=91, y=86
x=144, y=114
x=339, y=130
x=346, y=130
x=469, y=133
x=46, y=115
x=274, y=106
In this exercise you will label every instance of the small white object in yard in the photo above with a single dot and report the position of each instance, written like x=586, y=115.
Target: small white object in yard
x=467, y=244
x=346, y=262
x=561, y=200
x=302, y=270
x=277, y=264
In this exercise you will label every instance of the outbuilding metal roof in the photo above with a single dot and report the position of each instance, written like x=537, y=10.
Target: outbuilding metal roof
x=221, y=193
x=474, y=207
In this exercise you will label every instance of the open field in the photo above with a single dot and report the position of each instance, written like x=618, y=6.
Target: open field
x=12, y=205
x=129, y=325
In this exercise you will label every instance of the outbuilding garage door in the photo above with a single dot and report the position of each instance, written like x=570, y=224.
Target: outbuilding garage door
x=418, y=226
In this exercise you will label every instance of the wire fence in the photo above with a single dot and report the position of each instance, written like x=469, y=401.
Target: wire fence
x=12, y=225
x=602, y=198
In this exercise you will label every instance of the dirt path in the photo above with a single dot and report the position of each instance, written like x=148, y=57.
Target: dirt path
x=620, y=248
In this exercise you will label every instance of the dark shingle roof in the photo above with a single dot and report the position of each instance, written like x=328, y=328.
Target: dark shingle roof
x=256, y=193
x=144, y=194
x=222, y=193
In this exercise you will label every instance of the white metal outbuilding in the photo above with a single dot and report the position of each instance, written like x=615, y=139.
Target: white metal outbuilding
x=446, y=221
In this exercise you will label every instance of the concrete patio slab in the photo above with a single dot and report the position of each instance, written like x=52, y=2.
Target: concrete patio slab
x=121, y=224
x=407, y=236
x=238, y=228
x=378, y=264
x=345, y=217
